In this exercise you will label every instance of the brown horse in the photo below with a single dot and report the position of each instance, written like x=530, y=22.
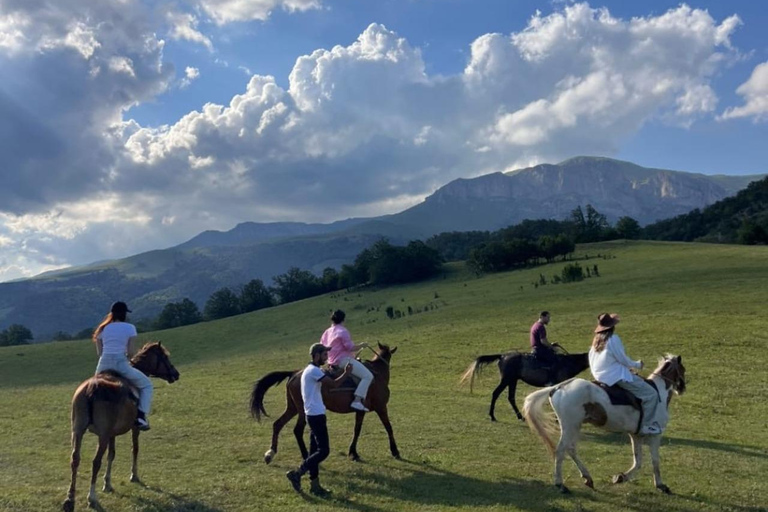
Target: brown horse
x=337, y=400
x=104, y=405
x=514, y=366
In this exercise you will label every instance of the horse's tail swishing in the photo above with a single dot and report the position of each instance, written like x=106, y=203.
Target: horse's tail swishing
x=541, y=421
x=260, y=389
x=476, y=367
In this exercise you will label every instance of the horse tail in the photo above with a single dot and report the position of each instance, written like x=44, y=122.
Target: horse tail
x=260, y=389
x=541, y=421
x=476, y=368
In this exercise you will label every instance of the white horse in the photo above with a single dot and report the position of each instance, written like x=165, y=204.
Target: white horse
x=578, y=401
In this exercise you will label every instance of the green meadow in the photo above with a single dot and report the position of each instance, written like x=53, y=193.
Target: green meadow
x=204, y=452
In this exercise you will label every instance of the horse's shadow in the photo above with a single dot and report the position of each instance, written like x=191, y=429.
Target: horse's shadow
x=428, y=485
x=738, y=449
x=160, y=503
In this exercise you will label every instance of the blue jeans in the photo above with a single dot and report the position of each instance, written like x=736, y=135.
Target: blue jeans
x=120, y=364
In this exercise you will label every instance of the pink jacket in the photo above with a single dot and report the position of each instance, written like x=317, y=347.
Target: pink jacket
x=337, y=338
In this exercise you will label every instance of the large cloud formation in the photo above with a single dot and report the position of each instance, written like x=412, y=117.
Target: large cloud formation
x=361, y=129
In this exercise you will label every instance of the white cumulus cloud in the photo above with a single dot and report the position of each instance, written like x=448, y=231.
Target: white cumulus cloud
x=755, y=94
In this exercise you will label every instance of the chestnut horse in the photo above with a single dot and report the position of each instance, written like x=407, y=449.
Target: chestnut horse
x=336, y=400
x=104, y=405
x=578, y=401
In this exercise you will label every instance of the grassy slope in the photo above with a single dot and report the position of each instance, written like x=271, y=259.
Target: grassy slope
x=705, y=302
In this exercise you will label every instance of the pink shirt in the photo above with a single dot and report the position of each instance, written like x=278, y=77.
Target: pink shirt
x=337, y=338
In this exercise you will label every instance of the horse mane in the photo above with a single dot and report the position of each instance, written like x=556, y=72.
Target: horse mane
x=108, y=386
x=146, y=349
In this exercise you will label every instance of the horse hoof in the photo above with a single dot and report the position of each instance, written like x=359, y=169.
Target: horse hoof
x=663, y=488
x=619, y=479
x=397, y=456
x=589, y=483
x=68, y=506
x=93, y=503
x=563, y=489
x=269, y=456
x=107, y=488
x=135, y=479
x=493, y=419
x=354, y=457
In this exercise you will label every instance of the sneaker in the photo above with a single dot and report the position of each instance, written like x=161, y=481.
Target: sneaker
x=295, y=478
x=357, y=404
x=650, y=430
x=141, y=421
x=318, y=490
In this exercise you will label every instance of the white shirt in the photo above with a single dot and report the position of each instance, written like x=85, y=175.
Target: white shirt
x=310, y=390
x=114, y=338
x=612, y=364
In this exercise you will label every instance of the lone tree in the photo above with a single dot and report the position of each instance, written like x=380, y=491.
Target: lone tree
x=15, y=334
x=221, y=304
x=255, y=296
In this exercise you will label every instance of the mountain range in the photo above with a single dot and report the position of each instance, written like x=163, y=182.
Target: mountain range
x=75, y=298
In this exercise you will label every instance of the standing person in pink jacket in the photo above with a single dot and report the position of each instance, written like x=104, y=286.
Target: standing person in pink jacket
x=342, y=352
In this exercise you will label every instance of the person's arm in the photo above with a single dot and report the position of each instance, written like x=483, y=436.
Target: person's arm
x=130, y=346
x=334, y=383
x=99, y=346
x=348, y=344
x=617, y=351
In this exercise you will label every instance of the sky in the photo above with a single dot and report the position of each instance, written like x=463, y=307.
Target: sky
x=131, y=125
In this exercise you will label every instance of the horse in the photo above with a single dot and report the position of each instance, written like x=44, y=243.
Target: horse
x=104, y=404
x=514, y=366
x=337, y=400
x=578, y=401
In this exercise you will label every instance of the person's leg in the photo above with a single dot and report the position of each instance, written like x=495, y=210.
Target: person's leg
x=142, y=383
x=648, y=396
x=366, y=378
x=319, y=427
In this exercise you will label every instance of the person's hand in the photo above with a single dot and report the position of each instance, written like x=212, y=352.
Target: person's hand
x=348, y=369
x=364, y=345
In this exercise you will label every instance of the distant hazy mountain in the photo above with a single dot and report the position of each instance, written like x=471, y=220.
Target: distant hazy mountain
x=72, y=299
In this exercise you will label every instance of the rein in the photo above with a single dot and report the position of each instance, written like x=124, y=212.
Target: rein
x=378, y=355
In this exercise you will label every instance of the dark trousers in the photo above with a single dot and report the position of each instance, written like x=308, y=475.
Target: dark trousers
x=545, y=355
x=319, y=446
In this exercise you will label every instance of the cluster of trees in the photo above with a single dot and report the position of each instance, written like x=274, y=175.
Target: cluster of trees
x=501, y=255
x=741, y=219
x=15, y=334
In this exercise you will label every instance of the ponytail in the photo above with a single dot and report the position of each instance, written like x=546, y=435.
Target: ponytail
x=111, y=317
x=600, y=340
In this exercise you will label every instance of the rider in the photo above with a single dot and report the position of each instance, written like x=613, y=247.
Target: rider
x=610, y=365
x=342, y=353
x=114, y=339
x=541, y=347
x=314, y=410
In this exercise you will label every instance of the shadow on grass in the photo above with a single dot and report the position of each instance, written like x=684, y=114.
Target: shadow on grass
x=650, y=501
x=428, y=485
x=738, y=449
x=169, y=502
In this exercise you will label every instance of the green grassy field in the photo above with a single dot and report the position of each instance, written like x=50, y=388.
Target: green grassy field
x=204, y=453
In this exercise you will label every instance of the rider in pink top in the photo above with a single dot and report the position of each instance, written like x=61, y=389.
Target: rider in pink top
x=342, y=352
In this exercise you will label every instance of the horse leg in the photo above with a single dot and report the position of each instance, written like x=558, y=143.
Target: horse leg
x=135, y=461
x=110, y=458
x=359, y=417
x=582, y=468
x=384, y=417
x=93, y=500
x=637, y=462
x=511, y=398
x=496, y=393
x=77, y=442
x=277, y=426
x=298, y=432
x=654, y=443
x=567, y=440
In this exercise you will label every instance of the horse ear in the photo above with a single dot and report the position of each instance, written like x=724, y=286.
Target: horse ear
x=679, y=359
x=393, y=350
x=380, y=346
x=160, y=343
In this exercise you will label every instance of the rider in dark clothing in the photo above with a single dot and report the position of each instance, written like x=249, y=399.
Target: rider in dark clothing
x=542, y=349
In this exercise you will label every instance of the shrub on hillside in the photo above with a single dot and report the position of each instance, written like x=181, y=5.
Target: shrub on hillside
x=222, y=304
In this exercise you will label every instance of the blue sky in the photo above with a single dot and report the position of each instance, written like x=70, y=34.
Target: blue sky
x=133, y=125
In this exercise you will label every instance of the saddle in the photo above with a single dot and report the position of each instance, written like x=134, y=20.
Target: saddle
x=350, y=383
x=620, y=396
x=124, y=384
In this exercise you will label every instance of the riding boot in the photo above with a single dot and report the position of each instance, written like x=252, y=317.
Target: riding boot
x=316, y=489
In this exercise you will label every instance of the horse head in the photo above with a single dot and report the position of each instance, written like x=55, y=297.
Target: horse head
x=385, y=352
x=671, y=369
x=154, y=361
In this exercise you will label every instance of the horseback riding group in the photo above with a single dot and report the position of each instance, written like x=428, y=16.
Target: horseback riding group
x=119, y=396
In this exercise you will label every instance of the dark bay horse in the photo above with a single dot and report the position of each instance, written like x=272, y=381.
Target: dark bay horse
x=337, y=400
x=514, y=366
x=104, y=405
